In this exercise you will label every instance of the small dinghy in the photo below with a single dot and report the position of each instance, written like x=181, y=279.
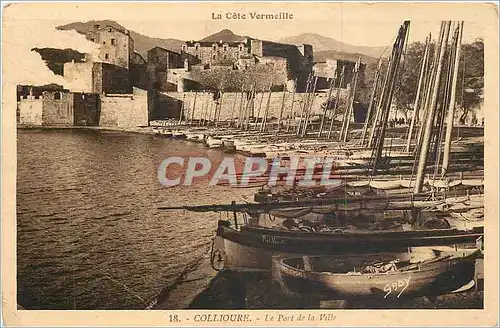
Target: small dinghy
x=166, y=132
x=179, y=134
x=195, y=135
x=421, y=271
x=214, y=142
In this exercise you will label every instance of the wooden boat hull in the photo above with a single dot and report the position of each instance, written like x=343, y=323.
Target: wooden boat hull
x=432, y=279
x=252, y=249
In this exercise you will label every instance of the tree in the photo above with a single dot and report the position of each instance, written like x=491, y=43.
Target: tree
x=472, y=77
x=469, y=91
x=406, y=88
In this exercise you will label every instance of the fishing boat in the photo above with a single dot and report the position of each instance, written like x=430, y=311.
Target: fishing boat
x=252, y=248
x=214, y=142
x=166, y=132
x=333, y=226
x=228, y=142
x=179, y=134
x=193, y=135
x=421, y=271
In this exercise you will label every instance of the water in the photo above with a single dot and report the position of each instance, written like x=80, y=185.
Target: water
x=89, y=234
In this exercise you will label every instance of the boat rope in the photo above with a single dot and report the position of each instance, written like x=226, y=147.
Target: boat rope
x=180, y=278
x=213, y=255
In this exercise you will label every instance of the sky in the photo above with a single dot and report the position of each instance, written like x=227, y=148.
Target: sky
x=353, y=23
x=29, y=25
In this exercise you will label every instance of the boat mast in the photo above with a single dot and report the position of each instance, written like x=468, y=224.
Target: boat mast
x=291, y=106
x=379, y=106
x=337, y=99
x=432, y=110
x=416, y=105
x=232, y=108
x=441, y=111
x=181, y=114
x=302, y=107
x=332, y=85
x=387, y=94
x=194, y=107
x=282, y=108
x=372, y=100
x=266, y=111
x=310, y=103
x=451, y=108
x=350, y=105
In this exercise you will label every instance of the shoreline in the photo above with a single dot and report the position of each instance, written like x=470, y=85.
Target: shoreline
x=138, y=129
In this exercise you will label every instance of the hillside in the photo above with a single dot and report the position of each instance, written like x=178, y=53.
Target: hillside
x=142, y=42
x=55, y=58
x=322, y=43
x=324, y=47
x=321, y=56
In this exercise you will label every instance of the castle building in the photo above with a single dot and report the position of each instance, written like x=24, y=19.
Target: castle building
x=289, y=62
x=216, y=53
x=116, y=47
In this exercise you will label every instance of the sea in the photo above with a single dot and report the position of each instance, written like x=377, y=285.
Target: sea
x=89, y=231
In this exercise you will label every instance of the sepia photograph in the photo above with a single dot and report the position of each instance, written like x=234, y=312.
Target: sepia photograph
x=223, y=157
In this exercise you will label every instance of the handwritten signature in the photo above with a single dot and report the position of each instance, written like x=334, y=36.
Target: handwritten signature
x=399, y=285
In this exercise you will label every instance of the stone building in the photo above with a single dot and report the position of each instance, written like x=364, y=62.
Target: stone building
x=160, y=61
x=216, y=53
x=116, y=47
x=93, y=77
x=58, y=108
x=277, y=63
x=332, y=68
x=165, y=58
x=138, y=75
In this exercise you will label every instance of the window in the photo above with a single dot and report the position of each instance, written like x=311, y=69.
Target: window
x=57, y=96
x=196, y=47
x=110, y=29
x=241, y=47
x=92, y=39
x=113, y=42
x=103, y=42
x=214, y=47
x=225, y=47
x=184, y=47
x=106, y=56
x=213, y=57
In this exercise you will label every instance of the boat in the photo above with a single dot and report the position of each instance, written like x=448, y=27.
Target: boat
x=178, y=134
x=421, y=271
x=166, y=132
x=252, y=248
x=337, y=226
x=214, y=142
x=228, y=143
x=193, y=135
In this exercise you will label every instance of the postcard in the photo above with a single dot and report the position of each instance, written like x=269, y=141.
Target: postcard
x=249, y=163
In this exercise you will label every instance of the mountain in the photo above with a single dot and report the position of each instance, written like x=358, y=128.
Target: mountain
x=322, y=43
x=55, y=58
x=224, y=35
x=142, y=43
x=323, y=47
x=321, y=56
